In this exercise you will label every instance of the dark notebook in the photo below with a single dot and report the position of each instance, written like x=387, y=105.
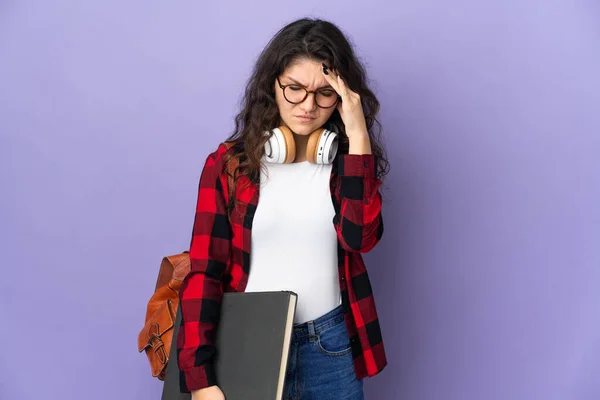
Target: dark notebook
x=253, y=341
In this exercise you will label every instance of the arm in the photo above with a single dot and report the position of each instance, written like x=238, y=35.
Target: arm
x=202, y=290
x=358, y=222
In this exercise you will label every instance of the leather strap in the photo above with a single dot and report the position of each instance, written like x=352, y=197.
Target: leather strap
x=172, y=267
x=231, y=167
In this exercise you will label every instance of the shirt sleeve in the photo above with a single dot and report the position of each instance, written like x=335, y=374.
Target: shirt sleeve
x=202, y=290
x=358, y=223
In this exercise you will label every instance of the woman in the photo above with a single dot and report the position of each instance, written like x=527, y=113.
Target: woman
x=317, y=213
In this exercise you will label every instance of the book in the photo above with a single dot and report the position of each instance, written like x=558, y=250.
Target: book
x=252, y=346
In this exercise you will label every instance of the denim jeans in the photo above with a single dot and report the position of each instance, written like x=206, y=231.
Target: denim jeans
x=320, y=363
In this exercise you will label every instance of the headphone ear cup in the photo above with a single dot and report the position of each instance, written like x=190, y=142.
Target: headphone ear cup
x=281, y=146
x=312, y=145
x=322, y=146
x=290, y=144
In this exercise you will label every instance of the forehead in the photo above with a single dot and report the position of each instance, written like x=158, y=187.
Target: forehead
x=307, y=72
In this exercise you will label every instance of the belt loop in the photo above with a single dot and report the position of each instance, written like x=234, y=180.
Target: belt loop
x=311, y=331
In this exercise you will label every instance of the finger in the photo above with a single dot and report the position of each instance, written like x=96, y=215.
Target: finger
x=331, y=79
x=343, y=88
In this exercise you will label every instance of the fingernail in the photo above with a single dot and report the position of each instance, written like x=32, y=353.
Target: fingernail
x=325, y=69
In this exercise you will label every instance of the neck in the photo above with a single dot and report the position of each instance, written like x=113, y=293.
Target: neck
x=301, y=143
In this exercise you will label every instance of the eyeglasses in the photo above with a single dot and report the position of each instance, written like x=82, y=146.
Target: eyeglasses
x=296, y=94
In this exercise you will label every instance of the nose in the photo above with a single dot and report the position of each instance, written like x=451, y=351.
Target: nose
x=309, y=103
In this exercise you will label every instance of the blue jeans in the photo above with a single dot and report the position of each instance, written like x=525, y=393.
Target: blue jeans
x=320, y=364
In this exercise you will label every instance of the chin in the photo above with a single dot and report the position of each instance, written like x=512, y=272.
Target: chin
x=303, y=130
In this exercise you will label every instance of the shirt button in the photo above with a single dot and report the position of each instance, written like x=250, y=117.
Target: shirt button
x=366, y=164
x=367, y=202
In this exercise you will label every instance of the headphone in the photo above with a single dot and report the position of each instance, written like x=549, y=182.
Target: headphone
x=281, y=147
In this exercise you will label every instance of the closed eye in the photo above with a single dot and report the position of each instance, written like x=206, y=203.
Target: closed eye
x=327, y=93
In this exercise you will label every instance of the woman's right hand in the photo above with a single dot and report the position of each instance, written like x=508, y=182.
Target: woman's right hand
x=209, y=393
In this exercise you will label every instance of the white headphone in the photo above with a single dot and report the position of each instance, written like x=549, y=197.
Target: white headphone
x=281, y=147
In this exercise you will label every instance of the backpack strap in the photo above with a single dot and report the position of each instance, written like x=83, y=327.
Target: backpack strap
x=173, y=267
x=232, y=165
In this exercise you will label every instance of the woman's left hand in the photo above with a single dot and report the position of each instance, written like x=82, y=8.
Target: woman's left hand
x=350, y=108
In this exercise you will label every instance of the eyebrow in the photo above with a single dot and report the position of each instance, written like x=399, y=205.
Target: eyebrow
x=300, y=84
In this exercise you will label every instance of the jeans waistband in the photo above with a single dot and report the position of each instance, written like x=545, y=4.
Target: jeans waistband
x=315, y=327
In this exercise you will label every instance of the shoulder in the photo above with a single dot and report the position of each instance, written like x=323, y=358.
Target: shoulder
x=223, y=158
x=224, y=150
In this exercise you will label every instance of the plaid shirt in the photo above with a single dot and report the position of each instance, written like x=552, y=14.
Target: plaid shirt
x=220, y=262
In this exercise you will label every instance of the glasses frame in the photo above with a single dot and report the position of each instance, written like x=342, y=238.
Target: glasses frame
x=283, y=87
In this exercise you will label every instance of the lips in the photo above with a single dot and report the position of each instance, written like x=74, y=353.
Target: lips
x=305, y=117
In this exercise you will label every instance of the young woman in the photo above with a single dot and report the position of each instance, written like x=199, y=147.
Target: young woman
x=305, y=143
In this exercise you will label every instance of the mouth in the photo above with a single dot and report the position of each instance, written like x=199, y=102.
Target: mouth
x=305, y=118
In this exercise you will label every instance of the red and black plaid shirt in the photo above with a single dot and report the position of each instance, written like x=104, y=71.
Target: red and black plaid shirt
x=220, y=262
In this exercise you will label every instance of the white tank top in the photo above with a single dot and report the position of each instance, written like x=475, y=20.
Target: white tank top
x=294, y=243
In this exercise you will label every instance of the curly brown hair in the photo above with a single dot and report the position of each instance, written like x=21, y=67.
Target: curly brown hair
x=310, y=39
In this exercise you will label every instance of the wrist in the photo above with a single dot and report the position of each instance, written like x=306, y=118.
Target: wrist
x=359, y=144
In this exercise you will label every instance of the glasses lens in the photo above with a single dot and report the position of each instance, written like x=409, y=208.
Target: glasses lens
x=295, y=94
x=326, y=98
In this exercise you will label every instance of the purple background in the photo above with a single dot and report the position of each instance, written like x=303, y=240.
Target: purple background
x=488, y=277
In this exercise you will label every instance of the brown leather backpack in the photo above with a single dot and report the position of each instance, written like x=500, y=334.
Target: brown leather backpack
x=157, y=335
